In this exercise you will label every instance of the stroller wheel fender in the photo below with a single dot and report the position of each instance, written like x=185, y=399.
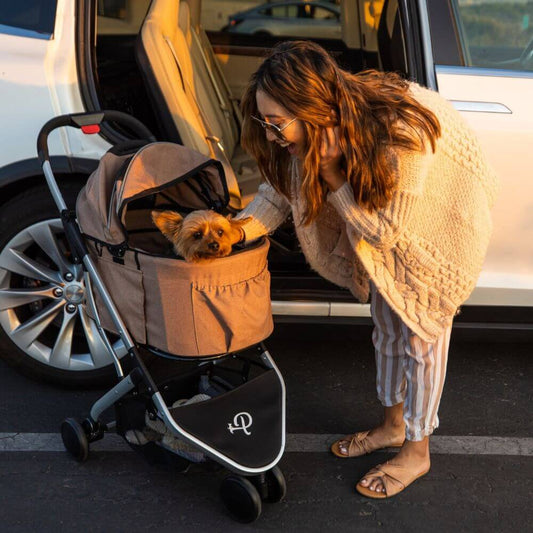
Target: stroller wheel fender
x=241, y=498
x=75, y=439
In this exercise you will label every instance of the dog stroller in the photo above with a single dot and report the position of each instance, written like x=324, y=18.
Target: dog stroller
x=221, y=397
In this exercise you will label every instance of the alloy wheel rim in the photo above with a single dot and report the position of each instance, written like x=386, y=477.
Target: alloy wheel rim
x=44, y=301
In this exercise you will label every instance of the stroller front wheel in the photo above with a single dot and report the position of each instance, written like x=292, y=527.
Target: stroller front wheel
x=241, y=498
x=75, y=439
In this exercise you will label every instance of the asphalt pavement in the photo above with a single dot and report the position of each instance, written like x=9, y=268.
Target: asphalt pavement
x=482, y=460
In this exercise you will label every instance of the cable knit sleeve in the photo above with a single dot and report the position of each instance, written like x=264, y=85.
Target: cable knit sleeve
x=382, y=228
x=267, y=211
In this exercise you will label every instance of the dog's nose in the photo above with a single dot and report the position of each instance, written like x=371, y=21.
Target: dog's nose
x=213, y=246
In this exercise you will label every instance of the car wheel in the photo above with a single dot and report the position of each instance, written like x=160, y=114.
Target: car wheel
x=45, y=331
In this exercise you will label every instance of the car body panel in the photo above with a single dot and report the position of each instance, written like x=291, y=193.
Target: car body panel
x=28, y=94
x=509, y=263
x=479, y=66
x=40, y=81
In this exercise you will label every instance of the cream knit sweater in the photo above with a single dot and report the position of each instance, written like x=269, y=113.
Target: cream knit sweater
x=425, y=250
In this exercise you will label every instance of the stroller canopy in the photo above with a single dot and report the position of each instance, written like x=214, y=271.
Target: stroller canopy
x=166, y=175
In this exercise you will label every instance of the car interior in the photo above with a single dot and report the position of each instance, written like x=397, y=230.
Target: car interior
x=159, y=64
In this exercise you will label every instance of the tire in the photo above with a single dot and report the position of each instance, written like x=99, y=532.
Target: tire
x=276, y=485
x=240, y=498
x=38, y=335
x=75, y=440
x=262, y=34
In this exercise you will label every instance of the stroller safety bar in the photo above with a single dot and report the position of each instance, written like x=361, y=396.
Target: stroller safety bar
x=89, y=123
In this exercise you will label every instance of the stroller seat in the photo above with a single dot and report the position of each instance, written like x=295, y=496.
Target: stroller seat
x=181, y=308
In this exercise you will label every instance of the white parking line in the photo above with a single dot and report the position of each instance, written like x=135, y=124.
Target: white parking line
x=439, y=444
x=296, y=442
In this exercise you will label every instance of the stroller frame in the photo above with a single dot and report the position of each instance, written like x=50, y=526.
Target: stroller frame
x=76, y=436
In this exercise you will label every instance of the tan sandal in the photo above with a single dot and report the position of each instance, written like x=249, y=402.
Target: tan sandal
x=359, y=444
x=395, y=478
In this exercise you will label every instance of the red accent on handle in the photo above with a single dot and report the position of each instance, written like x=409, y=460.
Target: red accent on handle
x=90, y=128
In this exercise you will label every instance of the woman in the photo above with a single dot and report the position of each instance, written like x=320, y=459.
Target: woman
x=390, y=195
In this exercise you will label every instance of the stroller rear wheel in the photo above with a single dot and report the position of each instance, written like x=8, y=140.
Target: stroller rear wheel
x=271, y=485
x=241, y=498
x=276, y=485
x=75, y=439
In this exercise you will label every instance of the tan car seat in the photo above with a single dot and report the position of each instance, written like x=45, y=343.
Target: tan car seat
x=192, y=106
x=212, y=98
x=207, y=64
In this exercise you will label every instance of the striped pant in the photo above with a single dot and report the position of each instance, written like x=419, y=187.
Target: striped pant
x=408, y=369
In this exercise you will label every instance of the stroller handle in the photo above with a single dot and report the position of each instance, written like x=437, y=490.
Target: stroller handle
x=88, y=123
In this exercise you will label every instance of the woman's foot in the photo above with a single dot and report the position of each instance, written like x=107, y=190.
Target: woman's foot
x=386, y=480
x=384, y=436
x=390, y=434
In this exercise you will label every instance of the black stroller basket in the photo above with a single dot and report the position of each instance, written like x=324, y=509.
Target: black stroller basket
x=240, y=420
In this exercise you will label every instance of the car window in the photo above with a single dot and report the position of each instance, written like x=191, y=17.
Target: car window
x=116, y=9
x=249, y=18
x=496, y=34
x=120, y=17
x=30, y=15
x=346, y=28
x=285, y=11
x=323, y=14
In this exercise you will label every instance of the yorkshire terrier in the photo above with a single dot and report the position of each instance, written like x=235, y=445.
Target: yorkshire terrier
x=202, y=235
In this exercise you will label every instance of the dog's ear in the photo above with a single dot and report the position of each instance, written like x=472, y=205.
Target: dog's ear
x=168, y=222
x=235, y=226
x=237, y=222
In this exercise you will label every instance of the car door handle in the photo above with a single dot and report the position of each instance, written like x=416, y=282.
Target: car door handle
x=480, y=107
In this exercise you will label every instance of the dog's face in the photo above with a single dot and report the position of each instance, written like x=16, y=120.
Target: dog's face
x=200, y=236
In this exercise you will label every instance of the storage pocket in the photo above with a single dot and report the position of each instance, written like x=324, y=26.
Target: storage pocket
x=125, y=286
x=231, y=317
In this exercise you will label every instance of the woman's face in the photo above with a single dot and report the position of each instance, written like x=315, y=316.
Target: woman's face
x=274, y=113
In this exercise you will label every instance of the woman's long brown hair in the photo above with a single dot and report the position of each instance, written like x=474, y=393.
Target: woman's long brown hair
x=373, y=111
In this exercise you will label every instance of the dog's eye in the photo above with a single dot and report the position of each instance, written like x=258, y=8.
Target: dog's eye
x=197, y=235
x=220, y=232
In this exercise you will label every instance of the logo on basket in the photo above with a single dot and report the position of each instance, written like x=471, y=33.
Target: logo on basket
x=241, y=421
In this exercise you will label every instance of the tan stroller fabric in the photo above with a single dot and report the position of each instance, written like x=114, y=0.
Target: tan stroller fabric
x=182, y=308
x=155, y=168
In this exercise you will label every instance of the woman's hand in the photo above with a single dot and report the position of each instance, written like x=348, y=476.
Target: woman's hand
x=330, y=159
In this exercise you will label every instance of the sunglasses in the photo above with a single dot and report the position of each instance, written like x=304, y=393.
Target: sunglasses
x=276, y=130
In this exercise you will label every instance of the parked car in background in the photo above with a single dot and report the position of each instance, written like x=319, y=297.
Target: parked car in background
x=173, y=66
x=295, y=19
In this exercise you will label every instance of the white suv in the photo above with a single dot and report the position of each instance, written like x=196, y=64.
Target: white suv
x=174, y=65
